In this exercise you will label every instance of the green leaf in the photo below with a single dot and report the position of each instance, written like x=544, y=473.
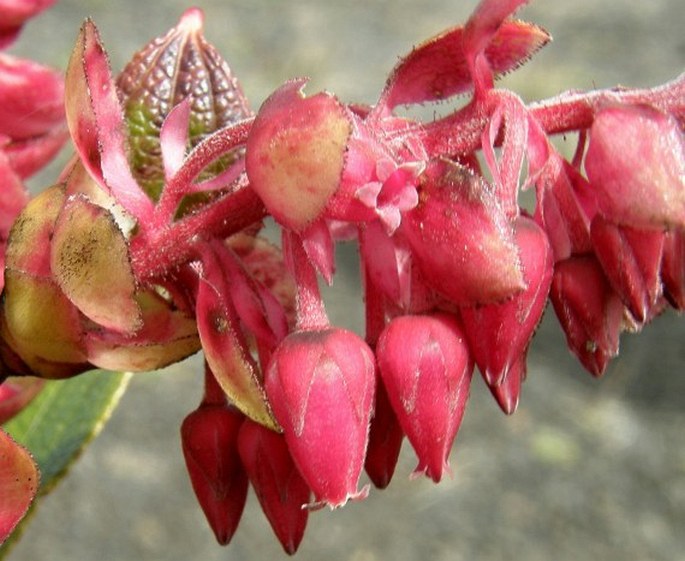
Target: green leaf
x=61, y=420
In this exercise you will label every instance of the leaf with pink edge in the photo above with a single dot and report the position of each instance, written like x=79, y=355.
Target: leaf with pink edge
x=96, y=123
x=225, y=348
x=437, y=69
x=90, y=261
x=19, y=480
x=29, y=300
x=167, y=335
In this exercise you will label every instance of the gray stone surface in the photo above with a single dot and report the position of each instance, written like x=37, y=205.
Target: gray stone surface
x=584, y=470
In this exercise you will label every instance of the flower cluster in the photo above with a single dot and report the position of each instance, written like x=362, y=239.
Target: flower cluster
x=148, y=250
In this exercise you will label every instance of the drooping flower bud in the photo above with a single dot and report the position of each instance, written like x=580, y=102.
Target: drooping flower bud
x=209, y=436
x=636, y=164
x=320, y=384
x=461, y=237
x=281, y=490
x=589, y=310
x=499, y=334
x=425, y=365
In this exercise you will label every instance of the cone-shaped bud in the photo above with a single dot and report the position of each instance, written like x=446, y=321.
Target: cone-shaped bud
x=320, y=384
x=425, y=365
x=385, y=441
x=499, y=334
x=631, y=259
x=209, y=437
x=296, y=152
x=636, y=163
x=461, y=238
x=281, y=490
x=589, y=310
x=180, y=65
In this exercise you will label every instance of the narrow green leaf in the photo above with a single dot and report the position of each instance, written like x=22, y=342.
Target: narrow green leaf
x=61, y=420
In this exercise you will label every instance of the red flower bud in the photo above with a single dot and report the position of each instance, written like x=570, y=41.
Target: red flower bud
x=461, y=237
x=589, y=311
x=425, y=366
x=209, y=436
x=385, y=441
x=320, y=384
x=499, y=334
x=636, y=163
x=281, y=491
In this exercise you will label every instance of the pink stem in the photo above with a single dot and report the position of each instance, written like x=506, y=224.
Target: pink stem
x=460, y=132
x=214, y=394
x=155, y=253
x=311, y=313
x=208, y=151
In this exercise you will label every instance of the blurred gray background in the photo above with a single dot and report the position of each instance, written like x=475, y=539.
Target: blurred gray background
x=585, y=469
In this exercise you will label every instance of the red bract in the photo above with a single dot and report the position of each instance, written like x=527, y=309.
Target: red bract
x=425, y=365
x=282, y=493
x=320, y=384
